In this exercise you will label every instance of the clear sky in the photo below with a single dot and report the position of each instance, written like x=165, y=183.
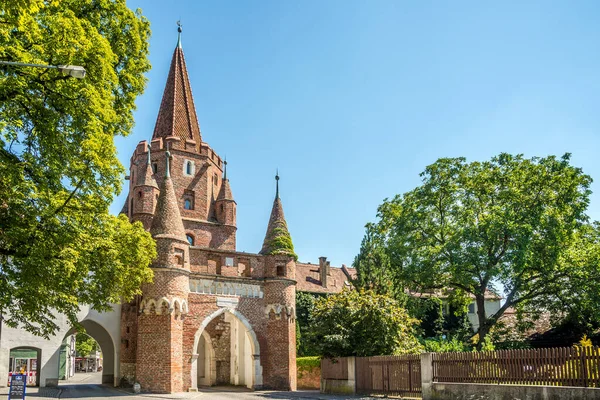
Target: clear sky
x=352, y=99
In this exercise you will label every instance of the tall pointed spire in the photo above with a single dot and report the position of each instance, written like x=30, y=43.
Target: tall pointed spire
x=167, y=219
x=177, y=114
x=278, y=239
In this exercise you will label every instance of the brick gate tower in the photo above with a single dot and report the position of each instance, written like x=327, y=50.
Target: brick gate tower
x=212, y=315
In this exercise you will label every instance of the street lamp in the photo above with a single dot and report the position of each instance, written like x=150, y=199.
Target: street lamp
x=72, y=70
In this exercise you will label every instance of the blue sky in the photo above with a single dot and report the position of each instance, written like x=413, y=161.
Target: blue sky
x=352, y=99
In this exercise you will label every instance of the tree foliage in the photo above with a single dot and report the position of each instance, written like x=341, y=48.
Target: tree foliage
x=362, y=323
x=59, y=172
x=84, y=344
x=510, y=221
x=305, y=305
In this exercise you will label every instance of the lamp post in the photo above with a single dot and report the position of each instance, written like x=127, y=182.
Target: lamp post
x=75, y=71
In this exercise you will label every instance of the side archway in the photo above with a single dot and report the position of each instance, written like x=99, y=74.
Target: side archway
x=245, y=366
x=106, y=343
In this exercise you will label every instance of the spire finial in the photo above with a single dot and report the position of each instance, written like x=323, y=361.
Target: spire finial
x=179, y=29
x=277, y=184
x=225, y=169
x=167, y=171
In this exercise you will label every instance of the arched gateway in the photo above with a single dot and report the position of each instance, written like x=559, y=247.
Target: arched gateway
x=237, y=358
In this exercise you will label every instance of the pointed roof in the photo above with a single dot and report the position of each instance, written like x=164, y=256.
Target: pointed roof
x=225, y=192
x=147, y=177
x=278, y=239
x=167, y=219
x=177, y=114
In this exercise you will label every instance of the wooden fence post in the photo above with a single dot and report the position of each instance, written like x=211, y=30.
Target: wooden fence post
x=352, y=373
x=427, y=376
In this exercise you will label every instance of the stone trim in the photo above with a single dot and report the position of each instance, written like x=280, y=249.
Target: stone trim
x=164, y=306
x=210, y=286
x=280, y=310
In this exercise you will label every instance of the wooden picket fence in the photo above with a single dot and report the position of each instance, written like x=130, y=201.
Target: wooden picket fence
x=569, y=366
x=389, y=375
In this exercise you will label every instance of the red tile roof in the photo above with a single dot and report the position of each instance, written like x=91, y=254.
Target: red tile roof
x=309, y=280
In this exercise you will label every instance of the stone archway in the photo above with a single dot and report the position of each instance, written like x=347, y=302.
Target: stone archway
x=106, y=343
x=231, y=355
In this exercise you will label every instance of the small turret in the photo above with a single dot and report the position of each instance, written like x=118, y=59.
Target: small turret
x=144, y=195
x=225, y=204
x=167, y=226
x=277, y=239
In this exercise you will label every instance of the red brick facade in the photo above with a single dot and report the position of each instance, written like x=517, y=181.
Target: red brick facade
x=212, y=315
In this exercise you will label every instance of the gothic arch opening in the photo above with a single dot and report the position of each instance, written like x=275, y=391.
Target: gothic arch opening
x=226, y=352
x=104, y=340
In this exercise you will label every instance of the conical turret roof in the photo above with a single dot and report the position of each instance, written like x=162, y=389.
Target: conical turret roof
x=225, y=192
x=278, y=239
x=147, y=177
x=177, y=115
x=167, y=221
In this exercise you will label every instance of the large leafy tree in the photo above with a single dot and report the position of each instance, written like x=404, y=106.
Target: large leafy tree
x=362, y=323
x=59, y=246
x=472, y=228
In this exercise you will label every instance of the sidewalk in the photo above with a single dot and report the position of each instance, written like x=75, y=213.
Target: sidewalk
x=32, y=391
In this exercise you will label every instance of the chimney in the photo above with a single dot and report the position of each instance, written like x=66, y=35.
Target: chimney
x=323, y=270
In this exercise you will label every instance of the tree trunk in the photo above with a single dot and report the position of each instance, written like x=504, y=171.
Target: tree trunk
x=482, y=318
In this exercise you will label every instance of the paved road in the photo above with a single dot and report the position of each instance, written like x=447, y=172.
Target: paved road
x=97, y=392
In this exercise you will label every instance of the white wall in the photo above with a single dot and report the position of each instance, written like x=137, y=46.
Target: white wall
x=491, y=307
x=50, y=348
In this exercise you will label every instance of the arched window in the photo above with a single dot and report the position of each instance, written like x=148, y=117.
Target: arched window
x=187, y=204
x=188, y=168
x=190, y=239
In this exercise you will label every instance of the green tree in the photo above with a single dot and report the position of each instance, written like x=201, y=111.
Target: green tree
x=470, y=226
x=59, y=172
x=305, y=305
x=362, y=323
x=84, y=344
x=373, y=265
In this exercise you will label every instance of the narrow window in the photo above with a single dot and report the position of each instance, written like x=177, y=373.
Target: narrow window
x=187, y=204
x=188, y=168
x=131, y=206
x=154, y=167
x=139, y=195
x=190, y=239
x=280, y=270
